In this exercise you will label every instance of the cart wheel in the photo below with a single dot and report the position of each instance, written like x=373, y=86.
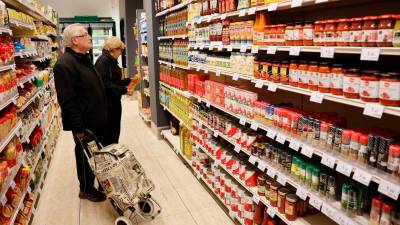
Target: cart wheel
x=123, y=221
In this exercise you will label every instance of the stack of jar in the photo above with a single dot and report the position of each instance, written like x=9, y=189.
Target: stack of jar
x=367, y=85
x=175, y=23
x=214, y=92
x=241, y=33
x=174, y=77
x=383, y=211
x=239, y=101
x=369, y=31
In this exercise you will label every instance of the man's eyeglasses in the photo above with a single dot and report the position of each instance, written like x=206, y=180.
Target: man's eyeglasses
x=83, y=35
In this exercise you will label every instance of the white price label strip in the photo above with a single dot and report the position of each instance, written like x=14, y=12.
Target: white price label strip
x=220, y=47
x=271, y=133
x=294, y=50
x=344, y=168
x=216, y=163
x=389, y=189
x=242, y=12
x=237, y=148
x=198, y=176
x=302, y=192
x=3, y=200
x=216, y=133
x=259, y=84
x=316, y=202
x=218, y=73
x=281, y=138
x=307, y=151
x=229, y=48
x=210, y=47
x=296, y=3
x=271, y=212
x=327, y=52
x=320, y=1
x=205, y=70
x=271, y=50
x=328, y=160
x=12, y=184
x=208, y=105
x=243, y=48
x=281, y=179
x=235, y=76
x=262, y=165
x=272, y=87
x=253, y=159
x=254, y=125
x=362, y=176
x=328, y=211
x=254, y=49
x=294, y=144
x=232, y=214
x=373, y=110
x=271, y=172
x=29, y=189
x=242, y=120
x=317, y=97
x=256, y=198
x=223, y=16
x=208, y=19
x=272, y=7
x=252, y=11
x=370, y=54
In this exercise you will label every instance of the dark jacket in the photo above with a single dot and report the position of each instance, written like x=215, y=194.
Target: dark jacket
x=107, y=66
x=80, y=92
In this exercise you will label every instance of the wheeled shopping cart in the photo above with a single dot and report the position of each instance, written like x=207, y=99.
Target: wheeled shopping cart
x=122, y=178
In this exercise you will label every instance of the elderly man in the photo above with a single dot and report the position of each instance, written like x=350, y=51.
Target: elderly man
x=82, y=99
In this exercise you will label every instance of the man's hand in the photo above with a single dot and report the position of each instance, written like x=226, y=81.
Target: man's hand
x=81, y=134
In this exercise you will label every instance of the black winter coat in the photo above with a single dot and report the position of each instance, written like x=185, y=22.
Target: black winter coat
x=80, y=92
x=108, y=68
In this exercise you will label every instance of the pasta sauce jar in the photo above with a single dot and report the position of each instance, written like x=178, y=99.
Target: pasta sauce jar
x=289, y=33
x=303, y=75
x=282, y=198
x=324, y=77
x=284, y=72
x=319, y=33
x=343, y=32
x=385, y=30
x=355, y=32
x=313, y=78
x=337, y=74
x=293, y=74
x=369, y=31
x=351, y=83
x=291, y=207
x=369, y=86
x=389, y=89
x=330, y=33
x=308, y=33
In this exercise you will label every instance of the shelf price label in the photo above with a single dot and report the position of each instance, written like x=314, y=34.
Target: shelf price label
x=223, y=16
x=271, y=133
x=272, y=7
x=296, y=3
x=281, y=138
x=254, y=125
x=198, y=176
x=307, y=151
x=242, y=12
x=256, y=198
x=362, y=176
x=317, y=97
x=208, y=105
x=328, y=211
x=344, y=168
x=232, y=214
x=253, y=159
x=259, y=84
x=316, y=202
x=320, y=1
x=327, y=52
x=302, y=192
x=242, y=120
x=220, y=47
x=271, y=172
x=271, y=212
x=328, y=160
x=271, y=50
x=237, y=148
x=216, y=133
x=389, y=189
x=29, y=189
x=12, y=184
x=370, y=54
x=281, y=179
x=252, y=11
x=272, y=87
x=3, y=200
x=262, y=165
x=229, y=48
x=235, y=76
x=294, y=144
x=373, y=110
x=206, y=70
x=210, y=47
x=208, y=19
x=218, y=73
x=254, y=49
x=294, y=50
x=243, y=48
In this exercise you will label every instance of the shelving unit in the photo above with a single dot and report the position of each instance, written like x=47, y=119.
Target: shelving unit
x=173, y=37
x=174, y=8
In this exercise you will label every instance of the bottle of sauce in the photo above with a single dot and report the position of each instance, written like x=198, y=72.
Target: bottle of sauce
x=284, y=72
x=385, y=30
x=273, y=34
x=298, y=34
x=289, y=34
x=356, y=32
x=369, y=31
x=324, y=77
x=313, y=76
x=318, y=39
x=275, y=72
x=375, y=214
x=258, y=29
x=329, y=33
x=337, y=74
x=389, y=89
x=303, y=74
x=280, y=34
x=396, y=32
x=308, y=33
x=293, y=74
x=351, y=83
x=343, y=32
x=369, y=86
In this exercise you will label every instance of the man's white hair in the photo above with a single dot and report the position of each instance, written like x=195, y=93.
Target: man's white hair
x=71, y=31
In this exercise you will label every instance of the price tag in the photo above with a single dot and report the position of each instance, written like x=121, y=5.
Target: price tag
x=302, y=192
x=220, y=47
x=317, y=97
x=205, y=70
x=21, y=85
x=242, y=12
x=294, y=144
x=271, y=172
x=201, y=46
x=199, y=20
x=262, y=165
x=296, y=3
x=208, y=105
x=307, y=151
x=216, y=163
x=256, y=198
x=389, y=189
x=208, y=19
x=328, y=161
x=173, y=66
x=271, y=50
x=243, y=48
x=294, y=50
x=242, y=120
x=180, y=123
x=216, y=133
x=272, y=7
x=259, y=83
x=271, y=212
x=320, y=1
x=327, y=52
x=316, y=202
x=197, y=145
x=344, y=168
x=254, y=125
x=229, y=48
x=210, y=47
x=254, y=49
x=271, y=134
x=21, y=207
x=198, y=68
x=340, y=218
x=362, y=177
x=3, y=200
x=370, y=54
x=281, y=138
x=252, y=11
x=272, y=87
x=33, y=210
x=373, y=110
x=237, y=148
x=328, y=211
x=223, y=16
x=218, y=73
x=235, y=76
x=253, y=159
x=281, y=179
x=12, y=184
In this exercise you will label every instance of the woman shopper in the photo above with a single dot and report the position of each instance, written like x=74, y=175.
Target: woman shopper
x=108, y=68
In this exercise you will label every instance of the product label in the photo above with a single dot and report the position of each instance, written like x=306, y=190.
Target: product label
x=396, y=37
x=351, y=84
x=294, y=75
x=329, y=37
x=318, y=36
x=389, y=90
x=280, y=38
x=355, y=36
x=313, y=78
x=385, y=35
x=343, y=36
x=369, y=36
x=297, y=34
x=324, y=80
x=369, y=89
x=307, y=34
x=289, y=35
x=258, y=36
x=337, y=80
x=304, y=76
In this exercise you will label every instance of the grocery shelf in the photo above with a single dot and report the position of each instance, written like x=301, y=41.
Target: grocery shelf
x=34, y=125
x=5, y=30
x=182, y=123
x=174, y=8
x=26, y=53
x=172, y=37
x=218, y=71
x=10, y=135
x=13, y=99
x=37, y=59
x=11, y=175
x=173, y=65
x=27, y=103
x=7, y=67
x=27, y=78
x=176, y=90
x=20, y=25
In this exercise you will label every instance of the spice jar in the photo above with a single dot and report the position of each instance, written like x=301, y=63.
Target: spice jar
x=337, y=74
x=393, y=159
x=324, y=77
x=313, y=76
x=282, y=198
x=385, y=30
x=261, y=185
x=351, y=83
x=343, y=32
x=267, y=188
x=362, y=152
x=284, y=72
x=389, y=89
x=308, y=33
x=280, y=34
x=375, y=214
x=289, y=34
x=387, y=209
x=369, y=31
x=318, y=33
x=264, y=70
x=356, y=32
x=273, y=194
x=293, y=74
x=369, y=86
x=291, y=207
x=329, y=33
x=298, y=34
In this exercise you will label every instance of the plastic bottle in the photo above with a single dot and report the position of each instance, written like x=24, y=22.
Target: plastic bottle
x=258, y=30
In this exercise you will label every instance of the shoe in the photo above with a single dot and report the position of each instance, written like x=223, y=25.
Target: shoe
x=94, y=196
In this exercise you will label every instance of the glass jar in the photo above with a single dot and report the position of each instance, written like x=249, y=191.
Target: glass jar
x=273, y=194
x=282, y=198
x=261, y=185
x=385, y=30
x=256, y=70
x=324, y=77
x=355, y=32
x=267, y=40
x=273, y=34
x=369, y=31
x=275, y=77
x=375, y=214
x=393, y=160
x=293, y=74
x=284, y=72
x=308, y=33
x=264, y=70
x=280, y=34
x=337, y=74
x=369, y=86
x=396, y=32
x=343, y=32
x=351, y=83
x=298, y=34
x=303, y=74
x=291, y=208
x=387, y=209
x=318, y=33
x=330, y=32
x=289, y=34
x=267, y=188
x=313, y=76
x=389, y=89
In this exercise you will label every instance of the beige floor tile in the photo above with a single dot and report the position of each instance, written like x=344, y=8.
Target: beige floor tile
x=178, y=219
x=210, y=216
x=195, y=197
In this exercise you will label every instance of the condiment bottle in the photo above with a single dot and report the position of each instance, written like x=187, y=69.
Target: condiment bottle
x=280, y=34
x=330, y=33
x=318, y=33
x=354, y=145
x=313, y=76
x=282, y=198
x=303, y=74
x=387, y=209
x=394, y=159
x=370, y=31
x=343, y=32
x=385, y=30
x=293, y=74
x=273, y=34
x=324, y=78
x=351, y=83
x=273, y=191
x=298, y=34
x=355, y=32
x=337, y=74
x=291, y=208
x=363, y=152
x=396, y=32
x=369, y=86
x=289, y=32
x=258, y=30
x=375, y=214
x=346, y=139
x=389, y=89
x=308, y=33
x=284, y=72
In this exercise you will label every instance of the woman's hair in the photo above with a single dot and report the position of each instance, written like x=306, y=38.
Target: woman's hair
x=113, y=43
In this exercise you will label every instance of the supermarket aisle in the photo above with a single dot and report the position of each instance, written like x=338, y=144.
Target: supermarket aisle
x=183, y=199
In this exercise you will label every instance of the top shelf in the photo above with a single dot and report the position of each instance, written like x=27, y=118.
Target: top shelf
x=176, y=7
x=30, y=10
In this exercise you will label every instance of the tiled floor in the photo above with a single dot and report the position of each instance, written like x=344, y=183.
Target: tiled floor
x=184, y=200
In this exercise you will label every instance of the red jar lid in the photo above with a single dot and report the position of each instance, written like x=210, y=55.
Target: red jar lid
x=376, y=202
x=370, y=18
x=356, y=19
x=387, y=208
x=330, y=21
x=387, y=16
x=343, y=20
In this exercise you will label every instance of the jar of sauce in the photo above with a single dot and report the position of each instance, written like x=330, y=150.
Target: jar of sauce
x=298, y=34
x=282, y=198
x=396, y=32
x=351, y=83
x=289, y=34
x=337, y=74
x=273, y=193
x=291, y=207
x=324, y=77
x=284, y=72
x=385, y=30
x=343, y=32
x=308, y=33
x=293, y=74
x=356, y=32
x=273, y=34
x=389, y=89
x=267, y=39
x=330, y=32
x=369, y=31
x=280, y=34
x=275, y=76
x=264, y=70
x=303, y=74
x=319, y=33
x=256, y=71
x=313, y=76
x=369, y=86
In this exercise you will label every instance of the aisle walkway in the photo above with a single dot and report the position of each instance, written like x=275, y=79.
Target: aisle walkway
x=184, y=200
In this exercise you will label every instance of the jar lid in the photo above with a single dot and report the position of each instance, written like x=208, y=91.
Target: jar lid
x=387, y=208
x=343, y=20
x=353, y=70
x=281, y=25
x=370, y=18
x=387, y=16
x=275, y=185
x=292, y=198
x=391, y=75
x=394, y=150
x=356, y=19
x=370, y=72
x=337, y=65
x=283, y=191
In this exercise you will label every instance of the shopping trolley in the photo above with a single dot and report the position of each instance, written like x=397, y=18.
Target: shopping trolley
x=122, y=178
